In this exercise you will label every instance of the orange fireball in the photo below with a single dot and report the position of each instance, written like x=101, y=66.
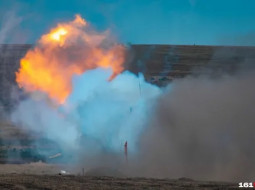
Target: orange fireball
x=70, y=48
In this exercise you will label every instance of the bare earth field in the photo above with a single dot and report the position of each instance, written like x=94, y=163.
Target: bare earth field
x=19, y=181
x=46, y=176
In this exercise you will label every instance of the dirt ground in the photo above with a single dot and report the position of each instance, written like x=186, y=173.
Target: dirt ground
x=37, y=168
x=20, y=182
x=38, y=176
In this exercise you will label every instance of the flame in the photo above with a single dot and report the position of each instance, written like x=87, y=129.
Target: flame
x=68, y=49
x=56, y=35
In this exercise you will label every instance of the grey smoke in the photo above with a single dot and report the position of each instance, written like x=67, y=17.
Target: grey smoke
x=8, y=27
x=203, y=128
x=246, y=39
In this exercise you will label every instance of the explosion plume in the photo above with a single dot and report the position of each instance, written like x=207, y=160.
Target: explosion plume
x=97, y=105
x=69, y=49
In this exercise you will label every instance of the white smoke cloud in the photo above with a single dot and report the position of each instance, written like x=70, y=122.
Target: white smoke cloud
x=98, y=113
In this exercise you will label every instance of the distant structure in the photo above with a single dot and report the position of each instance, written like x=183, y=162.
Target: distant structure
x=126, y=151
x=160, y=64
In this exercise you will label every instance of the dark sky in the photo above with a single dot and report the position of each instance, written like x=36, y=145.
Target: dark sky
x=207, y=22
